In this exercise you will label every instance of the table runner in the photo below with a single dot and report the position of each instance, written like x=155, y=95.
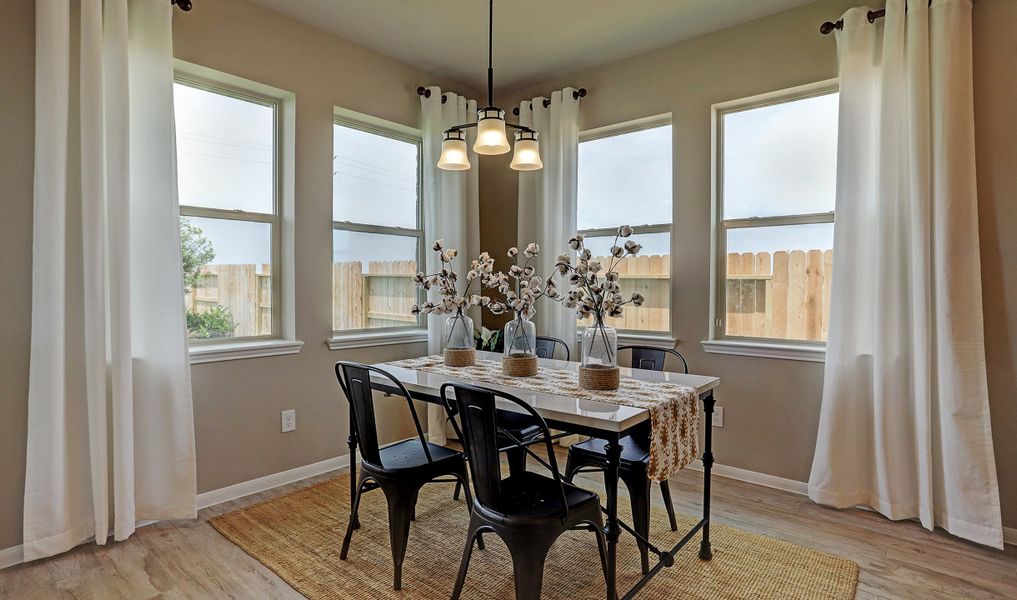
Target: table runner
x=673, y=408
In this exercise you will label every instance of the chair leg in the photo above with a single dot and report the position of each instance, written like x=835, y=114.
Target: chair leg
x=344, y=552
x=665, y=491
x=399, y=509
x=464, y=564
x=516, y=460
x=639, y=500
x=455, y=494
x=528, y=557
x=598, y=530
x=570, y=468
x=413, y=506
x=464, y=483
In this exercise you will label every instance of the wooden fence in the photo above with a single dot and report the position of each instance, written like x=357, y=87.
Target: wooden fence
x=381, y=297
x=245, y=289
x=783, y=295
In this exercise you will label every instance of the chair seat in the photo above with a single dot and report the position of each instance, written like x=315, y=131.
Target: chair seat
x=530, y=495
x=410, y=455
x=634, y=449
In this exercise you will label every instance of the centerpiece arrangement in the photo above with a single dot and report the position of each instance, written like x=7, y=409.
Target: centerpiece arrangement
x=521, y=288
x=458, y=332
x=596, y=293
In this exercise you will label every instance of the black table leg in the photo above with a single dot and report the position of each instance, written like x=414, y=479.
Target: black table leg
x=612, y=530
x=705, y=551
x=351, y=440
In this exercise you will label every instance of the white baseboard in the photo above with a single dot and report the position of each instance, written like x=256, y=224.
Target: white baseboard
x=763, y=479
x=9, y=557
x=253, y=486
x=1010, y=535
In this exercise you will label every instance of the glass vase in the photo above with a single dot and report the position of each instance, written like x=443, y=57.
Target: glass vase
x=520, y=338
x=599, y=346
x=459, y=332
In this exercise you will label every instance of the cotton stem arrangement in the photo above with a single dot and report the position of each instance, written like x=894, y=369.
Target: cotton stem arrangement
x=521, y=287
x=446, y=280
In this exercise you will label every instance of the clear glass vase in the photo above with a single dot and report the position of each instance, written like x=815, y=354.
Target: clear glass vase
x=520, y=338
x=459, y=332
x=599, y=346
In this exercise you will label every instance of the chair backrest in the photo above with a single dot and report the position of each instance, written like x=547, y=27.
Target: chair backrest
x=355, y=381
x=477, y=409
x=546, y=346
x=651, y=358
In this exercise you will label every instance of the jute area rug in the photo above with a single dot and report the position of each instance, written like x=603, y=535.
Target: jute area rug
x=299, y=535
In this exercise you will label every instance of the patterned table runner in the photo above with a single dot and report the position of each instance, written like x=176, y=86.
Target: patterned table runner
x=674, y=409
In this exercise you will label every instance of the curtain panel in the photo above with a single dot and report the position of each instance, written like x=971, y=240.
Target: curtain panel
x=904, y=426
x=110, y=425
x=451, y=212
x=547, y=197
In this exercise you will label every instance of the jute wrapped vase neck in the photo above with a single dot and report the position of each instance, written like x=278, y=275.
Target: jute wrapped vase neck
x=460, y=357
x=599, y=378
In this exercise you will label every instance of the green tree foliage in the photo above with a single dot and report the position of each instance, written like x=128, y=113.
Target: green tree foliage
x=196, y=250
x=216, y=322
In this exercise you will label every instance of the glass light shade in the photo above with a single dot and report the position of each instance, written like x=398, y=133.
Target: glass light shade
x=527, y=152
x=453, y=152
x=491, y=138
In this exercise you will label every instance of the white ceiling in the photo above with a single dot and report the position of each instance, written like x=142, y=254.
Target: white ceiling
x=533, y=39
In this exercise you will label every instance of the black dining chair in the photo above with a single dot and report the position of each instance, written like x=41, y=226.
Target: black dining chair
x=547, y=345
x=399, y=470
x=590, y=455
x=527, y=510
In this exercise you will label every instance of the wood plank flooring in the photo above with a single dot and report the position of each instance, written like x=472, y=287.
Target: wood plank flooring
x=178, y=560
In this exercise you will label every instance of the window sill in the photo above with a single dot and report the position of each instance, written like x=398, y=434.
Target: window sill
x=658, y=340
x=207, y=353
x=802, y=352
x=379, y=338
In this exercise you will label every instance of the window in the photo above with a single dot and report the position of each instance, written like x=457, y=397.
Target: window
x=625, y=179
x=775, y=172
x=228, y=179
x=377, y=236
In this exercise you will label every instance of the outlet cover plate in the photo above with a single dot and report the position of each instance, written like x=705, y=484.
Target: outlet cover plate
x=718, y=416
x=289, y=420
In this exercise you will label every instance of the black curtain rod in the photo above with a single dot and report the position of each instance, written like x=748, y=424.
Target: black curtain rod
x=184, y=5
x=829, y=26
x=577, y=94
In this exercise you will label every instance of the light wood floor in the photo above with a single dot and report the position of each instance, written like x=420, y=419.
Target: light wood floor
x=191, y=560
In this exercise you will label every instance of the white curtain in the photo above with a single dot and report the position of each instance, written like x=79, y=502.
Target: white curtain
x=905, y=416
x=451, y=211
x=110, y=426
x=547, y=197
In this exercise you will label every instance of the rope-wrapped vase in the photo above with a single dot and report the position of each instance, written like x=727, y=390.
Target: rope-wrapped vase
x=521, y=365
x=460, y=357
x=599, y=378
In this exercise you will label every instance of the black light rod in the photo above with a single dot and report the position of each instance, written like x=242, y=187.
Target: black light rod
x=829, y=26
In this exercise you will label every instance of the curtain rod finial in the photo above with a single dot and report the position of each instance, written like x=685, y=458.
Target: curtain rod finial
x=185, y=5
x=828, y=27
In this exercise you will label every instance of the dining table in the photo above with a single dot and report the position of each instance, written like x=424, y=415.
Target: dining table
x=607, y=421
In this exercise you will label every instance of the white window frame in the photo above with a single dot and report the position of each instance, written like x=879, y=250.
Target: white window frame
x=720, y=342
x=383, y=336
x=640, y=336
x=282, y=339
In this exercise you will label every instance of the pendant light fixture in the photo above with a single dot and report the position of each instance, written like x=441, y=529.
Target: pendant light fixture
x=491, y=128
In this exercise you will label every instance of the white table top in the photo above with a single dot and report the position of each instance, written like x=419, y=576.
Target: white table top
x=588, y=413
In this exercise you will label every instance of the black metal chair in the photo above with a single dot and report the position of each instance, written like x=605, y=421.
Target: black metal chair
x=400, y=470
x=546, y=346
x=635, y=458
x=527, y=510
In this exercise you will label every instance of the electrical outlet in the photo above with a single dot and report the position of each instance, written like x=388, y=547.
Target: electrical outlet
x=718, y=416
x=289, y=420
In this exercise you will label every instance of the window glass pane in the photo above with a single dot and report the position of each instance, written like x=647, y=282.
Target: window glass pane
x=781, y=159
x=778, y=281
x=648, y=273
x=372, y=280
x=374, y=179
x=225, y=151
x=227, y=277
x=625, y=179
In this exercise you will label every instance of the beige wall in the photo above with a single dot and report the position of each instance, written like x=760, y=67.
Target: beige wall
x=236, y=403
x=772, y=406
